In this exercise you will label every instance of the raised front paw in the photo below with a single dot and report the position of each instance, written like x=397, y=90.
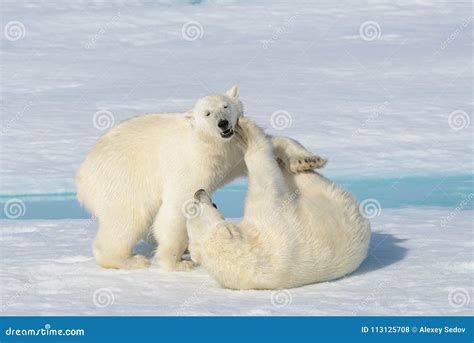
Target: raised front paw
x=250, y=133
x=299, y=164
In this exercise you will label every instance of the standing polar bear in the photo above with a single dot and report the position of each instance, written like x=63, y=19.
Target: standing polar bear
x=297, y=228
x=144, y=171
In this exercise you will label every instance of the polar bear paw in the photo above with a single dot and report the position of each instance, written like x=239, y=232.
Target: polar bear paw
x=250, y=135
x=184, y=266
x=173, y=266
x=136, y=262
x=299, y=164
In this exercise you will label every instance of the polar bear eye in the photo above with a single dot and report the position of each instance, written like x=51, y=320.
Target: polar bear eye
x=208, y=114
x=225, y=106
x=215, y=206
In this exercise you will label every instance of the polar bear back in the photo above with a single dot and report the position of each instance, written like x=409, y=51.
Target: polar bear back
x=129, y=160
x=334, y=237
x=318, y=236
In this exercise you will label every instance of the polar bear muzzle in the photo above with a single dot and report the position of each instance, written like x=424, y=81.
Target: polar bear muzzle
x=227, y=130
x=202, y=196
x=227, y=133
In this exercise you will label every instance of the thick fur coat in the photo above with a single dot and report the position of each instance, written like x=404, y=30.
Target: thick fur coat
x=143, y=173
x=297, y=229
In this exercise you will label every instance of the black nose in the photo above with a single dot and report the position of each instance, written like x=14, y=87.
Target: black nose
x=223, y=124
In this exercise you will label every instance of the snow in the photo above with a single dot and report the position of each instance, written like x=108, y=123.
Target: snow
x=398, y=107
x=413, y=266
x=374, y=107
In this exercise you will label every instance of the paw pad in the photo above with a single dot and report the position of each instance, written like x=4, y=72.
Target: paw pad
x=300, y=164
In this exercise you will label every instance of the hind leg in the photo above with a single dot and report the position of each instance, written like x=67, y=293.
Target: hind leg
x=294, y=156
x=297, y=164
x=116, y=238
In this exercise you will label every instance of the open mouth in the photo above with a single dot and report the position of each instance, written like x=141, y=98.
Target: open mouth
x=227, y=133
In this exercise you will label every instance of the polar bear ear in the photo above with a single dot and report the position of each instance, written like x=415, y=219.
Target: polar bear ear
x=233, y=92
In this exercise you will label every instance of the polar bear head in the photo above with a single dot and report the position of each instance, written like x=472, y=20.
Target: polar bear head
x=217, y=114
x=208, y=216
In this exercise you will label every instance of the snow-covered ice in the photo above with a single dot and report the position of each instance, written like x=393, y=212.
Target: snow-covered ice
x=382, y=88
x=373, y=106
x=416, y=266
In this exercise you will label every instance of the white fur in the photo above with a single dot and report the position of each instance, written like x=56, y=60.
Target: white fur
x=297, y=228
x=142, y=172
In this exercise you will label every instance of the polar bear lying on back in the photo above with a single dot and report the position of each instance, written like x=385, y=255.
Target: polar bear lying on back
x=297, y=228
x=145, y=170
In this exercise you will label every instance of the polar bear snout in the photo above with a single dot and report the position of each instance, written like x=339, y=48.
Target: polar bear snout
x=227, y=133
x=208, y=216
x=202, y=196
x=227, y=130
x=223, y=124
x=199, y=193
